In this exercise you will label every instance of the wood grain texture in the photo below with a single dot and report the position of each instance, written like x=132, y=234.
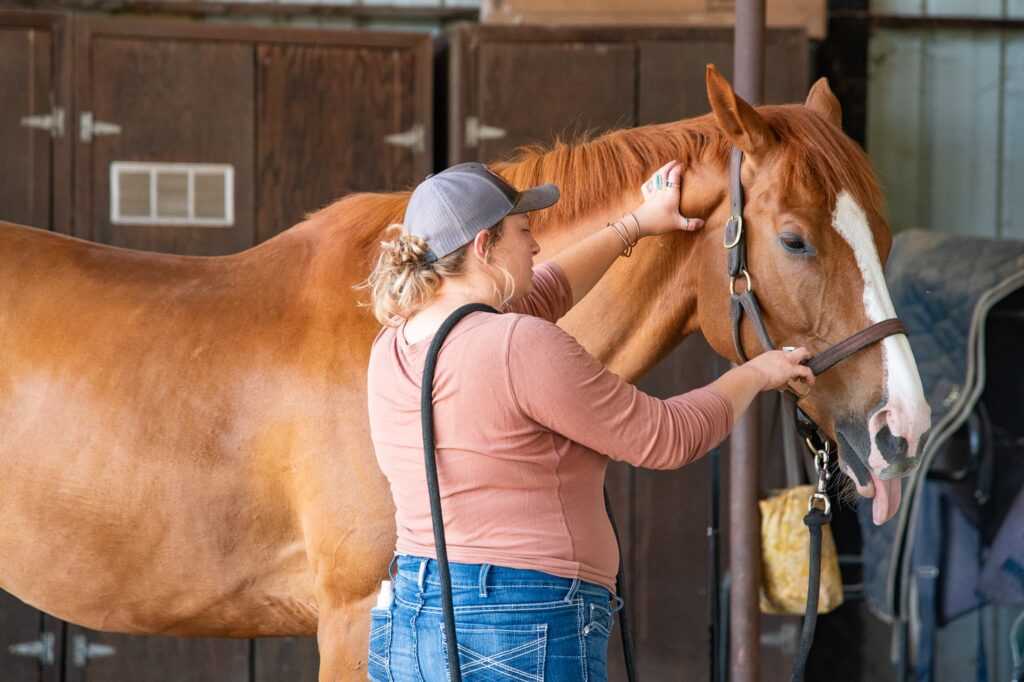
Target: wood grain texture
x=176, y=101
x=323, y=115
x=671, y=83
x=26, y=76
x=536, y=92
x=285, y=659
x=160, y=659
x=19, y=623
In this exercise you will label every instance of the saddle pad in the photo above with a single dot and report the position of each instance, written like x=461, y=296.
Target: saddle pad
x=943, y=287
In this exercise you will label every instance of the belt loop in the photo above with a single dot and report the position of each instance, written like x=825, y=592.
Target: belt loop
x=484, y=568
x=573, y=589
x=423, y=574
x=619, y=603
x=392, y=566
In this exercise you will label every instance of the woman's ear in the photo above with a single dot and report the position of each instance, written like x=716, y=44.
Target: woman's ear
x=480, y=243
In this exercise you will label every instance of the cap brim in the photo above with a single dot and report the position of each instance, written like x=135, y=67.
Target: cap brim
x=535, y=198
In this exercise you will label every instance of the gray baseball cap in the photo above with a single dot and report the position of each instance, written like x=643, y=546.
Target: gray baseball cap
x=449, y=208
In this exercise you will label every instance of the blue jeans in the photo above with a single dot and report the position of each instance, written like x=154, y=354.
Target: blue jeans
x=511, y=624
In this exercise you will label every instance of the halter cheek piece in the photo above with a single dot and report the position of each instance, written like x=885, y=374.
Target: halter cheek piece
x=745, y=303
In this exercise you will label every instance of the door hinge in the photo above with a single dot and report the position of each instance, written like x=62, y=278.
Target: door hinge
x=83, y=650
x=477, y=132
x=89, y=127
x=414, y=138
x=52, y=122
x=42, y=648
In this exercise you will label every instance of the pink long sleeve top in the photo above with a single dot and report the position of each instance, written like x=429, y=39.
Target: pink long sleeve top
x=525, y=422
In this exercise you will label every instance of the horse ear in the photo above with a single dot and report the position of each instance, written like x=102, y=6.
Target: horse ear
x=821, y=100
x=741, y=124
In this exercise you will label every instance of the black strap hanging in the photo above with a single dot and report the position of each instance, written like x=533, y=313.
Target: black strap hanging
x=434, y=492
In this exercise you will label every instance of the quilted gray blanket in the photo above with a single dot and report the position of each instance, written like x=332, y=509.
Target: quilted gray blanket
x=942, y=287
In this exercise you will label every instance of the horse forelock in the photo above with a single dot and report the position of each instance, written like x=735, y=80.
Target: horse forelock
x=818, y=156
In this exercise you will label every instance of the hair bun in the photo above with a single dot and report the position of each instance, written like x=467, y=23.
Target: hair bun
x=405, y=249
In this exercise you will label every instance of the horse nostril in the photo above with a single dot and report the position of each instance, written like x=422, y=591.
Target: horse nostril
x=892, y=448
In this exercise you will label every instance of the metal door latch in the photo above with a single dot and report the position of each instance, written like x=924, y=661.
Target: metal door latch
x=83, y=650
x=89, y=127
x=42, y=648
x=477, y=132
x=52, y=122
x=414, y=138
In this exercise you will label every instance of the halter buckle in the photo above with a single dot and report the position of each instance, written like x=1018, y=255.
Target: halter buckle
x=738, y=221
x=732, y=282
x=791, y=386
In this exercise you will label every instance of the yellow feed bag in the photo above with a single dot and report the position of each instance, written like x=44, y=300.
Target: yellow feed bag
x=784, y=562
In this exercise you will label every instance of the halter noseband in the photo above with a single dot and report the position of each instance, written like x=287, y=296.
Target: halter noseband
x=745, y=303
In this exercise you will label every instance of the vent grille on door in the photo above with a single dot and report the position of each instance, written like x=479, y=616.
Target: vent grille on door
x=184, y=194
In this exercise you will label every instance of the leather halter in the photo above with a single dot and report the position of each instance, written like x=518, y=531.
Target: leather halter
x=745, y=303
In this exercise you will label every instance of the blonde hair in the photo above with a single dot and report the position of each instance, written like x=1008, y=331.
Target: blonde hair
x=402, y=282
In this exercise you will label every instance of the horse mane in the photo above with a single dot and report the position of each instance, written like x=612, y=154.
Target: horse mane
x=593, y=173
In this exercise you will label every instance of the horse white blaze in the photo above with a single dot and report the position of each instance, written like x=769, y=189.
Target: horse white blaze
x=904, y=410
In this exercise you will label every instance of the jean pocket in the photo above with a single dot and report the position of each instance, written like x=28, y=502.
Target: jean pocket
x=496, y=653
x=601, y=620
x=378, y=662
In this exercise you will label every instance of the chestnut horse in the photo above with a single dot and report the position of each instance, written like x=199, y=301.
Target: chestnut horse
x=185, y=447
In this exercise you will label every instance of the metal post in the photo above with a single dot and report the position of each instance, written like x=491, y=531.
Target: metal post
x=744, y=468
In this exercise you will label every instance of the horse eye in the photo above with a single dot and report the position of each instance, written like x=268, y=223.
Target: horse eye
x=793, y=242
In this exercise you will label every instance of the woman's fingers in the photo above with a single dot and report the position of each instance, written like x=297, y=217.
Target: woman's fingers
x=691, y=224
x=659, y=179
x=798, y=355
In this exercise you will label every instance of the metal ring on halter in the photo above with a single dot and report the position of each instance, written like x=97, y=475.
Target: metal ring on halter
x=732, y=282
x=738, y=219
x=822, y=497
x=814, y=450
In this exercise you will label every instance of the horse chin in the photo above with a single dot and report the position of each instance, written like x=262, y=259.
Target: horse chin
x=884, y=494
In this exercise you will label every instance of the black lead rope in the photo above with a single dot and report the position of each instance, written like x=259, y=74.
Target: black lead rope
x=434, y=492
x=815, y=519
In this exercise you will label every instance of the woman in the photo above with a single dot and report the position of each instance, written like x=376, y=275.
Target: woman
x=525, y=423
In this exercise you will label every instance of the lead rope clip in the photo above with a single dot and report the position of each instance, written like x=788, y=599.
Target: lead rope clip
x=822, y=457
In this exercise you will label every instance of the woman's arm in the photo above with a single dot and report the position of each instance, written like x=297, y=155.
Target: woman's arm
x=555, y=382
x=585, y=262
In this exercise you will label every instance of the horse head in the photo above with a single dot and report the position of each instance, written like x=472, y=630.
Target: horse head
x=817, y=241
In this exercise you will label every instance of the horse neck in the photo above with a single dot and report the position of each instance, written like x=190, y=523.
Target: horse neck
x=645, y=305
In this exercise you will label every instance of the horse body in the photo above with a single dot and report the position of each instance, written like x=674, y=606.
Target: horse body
x=160, y=417
x=185, y=447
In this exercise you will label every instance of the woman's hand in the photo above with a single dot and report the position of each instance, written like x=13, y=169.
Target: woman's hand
x=777, y=368
x=659, y=214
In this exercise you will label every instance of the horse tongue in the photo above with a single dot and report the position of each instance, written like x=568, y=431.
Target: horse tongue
x=886, y=500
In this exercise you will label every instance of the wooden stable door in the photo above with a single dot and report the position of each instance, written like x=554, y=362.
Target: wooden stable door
x=511, y=86
x=34, y=119
x=206, y=140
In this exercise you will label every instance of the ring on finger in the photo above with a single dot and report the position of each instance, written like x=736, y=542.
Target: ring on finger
x=671, y=184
